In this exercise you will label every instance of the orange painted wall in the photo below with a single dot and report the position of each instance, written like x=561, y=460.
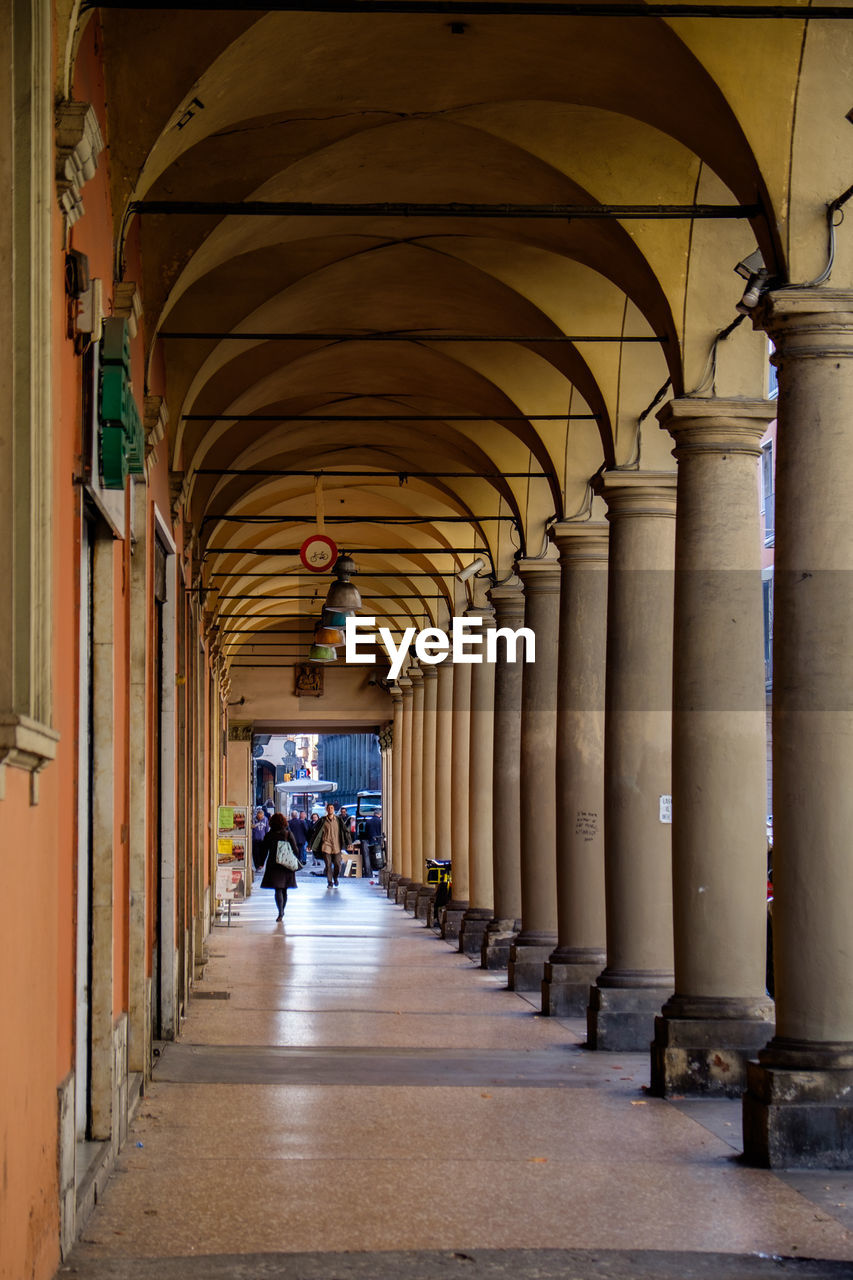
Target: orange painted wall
x=38, y=854
x=29, y=952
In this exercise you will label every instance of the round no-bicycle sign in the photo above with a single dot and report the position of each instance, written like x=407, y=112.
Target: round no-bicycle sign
x=318, y=553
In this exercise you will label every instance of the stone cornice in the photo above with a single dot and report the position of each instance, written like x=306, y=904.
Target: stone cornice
x=26, y=744
x=156, y=420
x=127, y=302
x=78, y=146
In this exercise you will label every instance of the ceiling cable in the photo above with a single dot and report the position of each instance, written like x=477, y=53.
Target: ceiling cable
x=232, y=336
x=490, y=8
x=282, y=418
x=402, y=476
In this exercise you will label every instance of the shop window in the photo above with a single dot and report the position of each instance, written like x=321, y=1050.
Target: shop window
x=767, y=586
x=768, y=505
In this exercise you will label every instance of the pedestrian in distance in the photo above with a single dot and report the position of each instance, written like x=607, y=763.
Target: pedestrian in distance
x=372, y=842
x=299, y=830
x=348, y=822
x=277, y=875
x=260, y=827
x=332, y=836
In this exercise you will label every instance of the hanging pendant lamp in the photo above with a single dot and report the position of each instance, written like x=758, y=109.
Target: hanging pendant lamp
x=331, y=636
x=343, y=596
x=322, y=653
x=337, y=617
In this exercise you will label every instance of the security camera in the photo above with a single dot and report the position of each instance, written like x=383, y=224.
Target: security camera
x=474, y=567
x=372, y=680
x=751, y=265
x=756, y=275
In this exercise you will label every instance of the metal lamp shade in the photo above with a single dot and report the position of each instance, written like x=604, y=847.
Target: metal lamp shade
x=336, y=617
x=322, y=653
x=331, y=636
x=342, y=597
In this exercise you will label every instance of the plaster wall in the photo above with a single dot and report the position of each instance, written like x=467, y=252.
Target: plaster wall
x=347, y=699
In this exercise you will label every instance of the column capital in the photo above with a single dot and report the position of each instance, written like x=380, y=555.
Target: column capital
x=581, y=541
x=819, y=320
x=404, y=684
x=396, y=694
x=415, y=675
x=487, y=613
x=539, y=576
x=637, y=493
x=508, y=602
x=711, y=425
x=430, y=671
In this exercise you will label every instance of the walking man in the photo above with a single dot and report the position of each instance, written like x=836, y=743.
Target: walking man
x=331, y=837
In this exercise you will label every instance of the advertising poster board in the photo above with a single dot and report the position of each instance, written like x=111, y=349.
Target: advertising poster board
x=232, y=849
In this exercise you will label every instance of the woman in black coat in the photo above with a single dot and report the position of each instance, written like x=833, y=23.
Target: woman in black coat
x=275, y=875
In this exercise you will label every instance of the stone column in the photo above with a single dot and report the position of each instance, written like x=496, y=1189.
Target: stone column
x=443, y=767
x=417, y=786
x=482, y=728
x=538, y=779
x=581, y=929
x=430, y=687
x=638, y=977
x=508, y=602
x=405, y=863
x=386, y=739
x=460, y=788
x=720, y=1014
x=798, y=1107
x=394, y=871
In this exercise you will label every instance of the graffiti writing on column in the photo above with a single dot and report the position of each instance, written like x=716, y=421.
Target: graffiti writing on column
x=586, y=825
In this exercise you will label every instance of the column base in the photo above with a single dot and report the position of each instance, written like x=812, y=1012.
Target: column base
x=426, y=895
x=400, y=890
x=451, y=920
x=701, y=1046
x=798, y=1106
x=383, y=877
x=413, y=888
x=566, y=984
x=622, y=1019
x=473, y=930
x=394, y=878
x=528, y=956
x=499, y=936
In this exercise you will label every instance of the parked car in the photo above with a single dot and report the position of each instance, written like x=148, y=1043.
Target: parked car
x=367, y=802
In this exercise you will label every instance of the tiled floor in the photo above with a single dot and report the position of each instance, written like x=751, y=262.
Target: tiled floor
x=288, y=1139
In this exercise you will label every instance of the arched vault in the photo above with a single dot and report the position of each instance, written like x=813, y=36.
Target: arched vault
x=454, y=380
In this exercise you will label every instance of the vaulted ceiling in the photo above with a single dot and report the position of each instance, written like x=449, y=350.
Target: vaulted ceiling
x=456, y=379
